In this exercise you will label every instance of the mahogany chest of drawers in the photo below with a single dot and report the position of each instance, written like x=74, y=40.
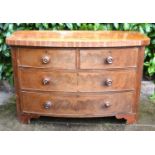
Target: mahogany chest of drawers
x=77, y=73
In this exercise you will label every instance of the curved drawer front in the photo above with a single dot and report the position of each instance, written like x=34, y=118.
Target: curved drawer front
x=77, y=105
x=108, y=58
x=106, y=81
x=73, y=82
x=47, y=57
x=47, y=81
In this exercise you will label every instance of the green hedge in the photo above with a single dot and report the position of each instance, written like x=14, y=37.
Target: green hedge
x=7, y=29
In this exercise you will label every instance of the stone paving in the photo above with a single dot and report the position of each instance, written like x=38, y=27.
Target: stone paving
x=146, y=121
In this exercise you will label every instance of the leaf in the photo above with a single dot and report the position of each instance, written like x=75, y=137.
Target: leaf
x=152, y=97
x=126, y=26
x=116, y=25
x=90, y=27
x=1, y=40
x=141, y=29
x=153, y=61
x=78, y=24
x=152, y=34
x=37, y=25
x=101, y=27
x=153, y=41
x=7, y=53
x=70, y=26
x=109, y=26
x=147, y=28
x=96, y=26
x=5, y=27
x=146, y=64
x=45, y=25
x=151, y=70
x=1, y=66
x=10, y=28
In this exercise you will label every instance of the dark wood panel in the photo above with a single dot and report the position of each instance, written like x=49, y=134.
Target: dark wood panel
x=108, y=58
x=77, y=106
x=47, y=57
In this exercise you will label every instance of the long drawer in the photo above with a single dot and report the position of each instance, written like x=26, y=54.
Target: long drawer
x=77, y=105
x=46, y=80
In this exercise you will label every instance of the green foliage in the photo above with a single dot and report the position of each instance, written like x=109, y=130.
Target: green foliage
x=152, y=97
x=7, y=29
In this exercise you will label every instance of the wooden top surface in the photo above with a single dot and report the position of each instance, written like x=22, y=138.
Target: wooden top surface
x=77, y=38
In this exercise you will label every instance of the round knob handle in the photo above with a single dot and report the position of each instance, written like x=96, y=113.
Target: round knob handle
x=46, y=81
x=107, y=104
x=109, y=60
x=45, y=59
x=47, y=104
x=108, y=82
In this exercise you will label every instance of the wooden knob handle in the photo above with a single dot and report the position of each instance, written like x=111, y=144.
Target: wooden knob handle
x=109, y=60
x=45, y=59
x=46, y=81
x=107, y=104
x=47, y=104
x=108, y=82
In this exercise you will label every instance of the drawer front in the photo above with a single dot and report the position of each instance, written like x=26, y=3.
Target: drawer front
x=108, y=58
x=72, y=105
x=47, y=80
x=47, y=57
x=106, y=81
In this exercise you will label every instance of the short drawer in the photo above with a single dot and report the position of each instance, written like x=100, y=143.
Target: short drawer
x=56, y=58
x=39, y=79
x=77, y=105
x=106, y=81
x=108, y=58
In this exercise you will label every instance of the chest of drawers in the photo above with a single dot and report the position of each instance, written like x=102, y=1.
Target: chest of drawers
x=77, y=73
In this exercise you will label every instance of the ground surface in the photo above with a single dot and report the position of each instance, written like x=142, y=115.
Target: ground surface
x=146, y=121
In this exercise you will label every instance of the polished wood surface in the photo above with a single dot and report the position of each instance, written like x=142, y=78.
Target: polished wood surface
x=77, y=73
x=77, y=106
x=78, y=38
x=56, y=81
x=96, y=82
x=58, y=58
x=97, y=58
x=31, y=79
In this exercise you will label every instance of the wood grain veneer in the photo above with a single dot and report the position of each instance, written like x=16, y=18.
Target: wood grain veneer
x=78, y=38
